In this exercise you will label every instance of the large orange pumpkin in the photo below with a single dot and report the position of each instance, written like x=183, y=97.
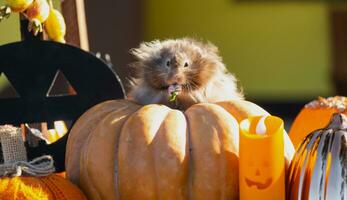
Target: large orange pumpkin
x=52, y=187
x=121, y=150
x=316, y=115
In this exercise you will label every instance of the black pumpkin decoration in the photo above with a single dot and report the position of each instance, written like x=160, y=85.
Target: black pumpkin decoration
x=32, y=67
x=319, y=167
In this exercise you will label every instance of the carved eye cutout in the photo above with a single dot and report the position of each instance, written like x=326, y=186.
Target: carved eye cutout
x=168, y=63
x=186, y=64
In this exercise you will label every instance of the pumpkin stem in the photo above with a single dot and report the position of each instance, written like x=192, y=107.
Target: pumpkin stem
x=338, y=121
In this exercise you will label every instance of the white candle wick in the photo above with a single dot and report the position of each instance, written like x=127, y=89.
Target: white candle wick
x=261, y=127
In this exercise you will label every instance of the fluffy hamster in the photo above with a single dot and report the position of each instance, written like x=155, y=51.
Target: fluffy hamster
x=195, y=67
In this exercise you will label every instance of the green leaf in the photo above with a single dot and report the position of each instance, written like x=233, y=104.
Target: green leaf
x=173, y=96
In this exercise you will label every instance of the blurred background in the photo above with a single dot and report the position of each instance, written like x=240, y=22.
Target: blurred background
x=284, y=53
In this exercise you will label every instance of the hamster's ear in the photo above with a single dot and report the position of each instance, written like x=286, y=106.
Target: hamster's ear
x=146, y=49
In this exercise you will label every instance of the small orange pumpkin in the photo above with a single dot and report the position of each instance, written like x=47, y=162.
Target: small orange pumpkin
x=23, y=180
x=52, y=187
x=121, y=150
x=316, y=115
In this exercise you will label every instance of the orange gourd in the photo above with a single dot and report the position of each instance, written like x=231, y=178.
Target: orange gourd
x=52, y=187
x=316, y=115
x=121, y=150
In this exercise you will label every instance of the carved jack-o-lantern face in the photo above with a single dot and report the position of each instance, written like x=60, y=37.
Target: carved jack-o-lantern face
x=260, y=176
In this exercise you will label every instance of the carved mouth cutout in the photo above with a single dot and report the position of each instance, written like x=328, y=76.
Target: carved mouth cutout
x=259, y=185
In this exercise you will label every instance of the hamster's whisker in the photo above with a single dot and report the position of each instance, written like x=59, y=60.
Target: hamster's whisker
x=193, y=85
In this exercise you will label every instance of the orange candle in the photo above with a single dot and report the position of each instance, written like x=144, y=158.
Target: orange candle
x=261, y=157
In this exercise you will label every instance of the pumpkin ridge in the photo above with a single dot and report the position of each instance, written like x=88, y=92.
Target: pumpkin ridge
x=222, y=161
x=85, y=158
x=60, y=188
x=153, y=155
x=163, y=114
x=182, y=160
x=56, y=191
x=220, y=129
x=80, y=131
x=190, y=163
x=116, y=155
x=72, y=137
x=116, y=169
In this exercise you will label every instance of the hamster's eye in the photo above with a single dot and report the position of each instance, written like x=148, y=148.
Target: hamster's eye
x=186, y=64
x=168, y=63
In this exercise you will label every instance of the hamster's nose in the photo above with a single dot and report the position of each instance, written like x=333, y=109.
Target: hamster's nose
x=175, y=65
x=176, y=79
x=179, y=79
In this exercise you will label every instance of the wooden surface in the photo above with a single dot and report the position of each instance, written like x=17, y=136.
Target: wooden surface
x=76, y=26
